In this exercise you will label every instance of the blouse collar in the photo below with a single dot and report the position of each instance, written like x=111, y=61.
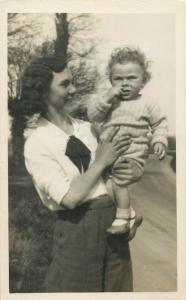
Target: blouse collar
x=51, y=127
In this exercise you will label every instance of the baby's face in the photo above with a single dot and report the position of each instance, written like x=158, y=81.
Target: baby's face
x=129, y=77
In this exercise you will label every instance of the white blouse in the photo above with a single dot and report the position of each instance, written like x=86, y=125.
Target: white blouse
x=51, y=170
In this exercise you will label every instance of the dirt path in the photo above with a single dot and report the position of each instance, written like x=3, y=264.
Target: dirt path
x=154, y=247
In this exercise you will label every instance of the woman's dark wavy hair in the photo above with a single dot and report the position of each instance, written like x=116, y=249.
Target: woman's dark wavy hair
x=122, y=55
x=35, y=83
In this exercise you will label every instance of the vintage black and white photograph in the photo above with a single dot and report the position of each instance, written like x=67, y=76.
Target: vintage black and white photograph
x=91, y=109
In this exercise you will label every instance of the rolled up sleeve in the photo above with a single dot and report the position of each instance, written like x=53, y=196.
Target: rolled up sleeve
x=97, y=108
x=159, y=124
x=48, y=176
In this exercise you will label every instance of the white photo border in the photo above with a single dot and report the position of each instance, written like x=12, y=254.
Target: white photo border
x=111, y=7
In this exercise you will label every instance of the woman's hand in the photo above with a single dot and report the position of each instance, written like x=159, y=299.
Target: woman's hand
x=126, y=169
x=109, y=150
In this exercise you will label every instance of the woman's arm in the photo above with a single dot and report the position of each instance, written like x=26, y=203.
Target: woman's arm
x=50, y=178
x=81, y=185
x=107, y=153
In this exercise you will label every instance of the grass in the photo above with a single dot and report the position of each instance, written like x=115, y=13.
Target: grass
x=30, y=238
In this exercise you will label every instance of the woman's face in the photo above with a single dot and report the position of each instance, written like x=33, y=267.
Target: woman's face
x=61, y=89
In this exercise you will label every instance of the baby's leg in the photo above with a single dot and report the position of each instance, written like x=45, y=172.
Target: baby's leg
x=121, y=196
x=124, y=212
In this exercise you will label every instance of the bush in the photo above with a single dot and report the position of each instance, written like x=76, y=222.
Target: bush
x=30, y=238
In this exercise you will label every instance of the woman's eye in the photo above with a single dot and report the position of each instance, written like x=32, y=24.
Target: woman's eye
x=65, y=83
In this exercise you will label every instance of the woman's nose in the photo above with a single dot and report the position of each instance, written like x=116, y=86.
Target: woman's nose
x=72, y=89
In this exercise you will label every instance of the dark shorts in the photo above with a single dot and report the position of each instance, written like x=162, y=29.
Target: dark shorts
x=85, y=258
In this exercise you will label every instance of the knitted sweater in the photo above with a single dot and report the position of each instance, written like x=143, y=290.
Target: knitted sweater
x=135, y=117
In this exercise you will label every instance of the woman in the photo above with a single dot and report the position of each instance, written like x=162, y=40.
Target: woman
x=66, y=166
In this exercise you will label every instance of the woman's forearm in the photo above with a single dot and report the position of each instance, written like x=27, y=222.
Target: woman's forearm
x=81, y=185
x=107, y=152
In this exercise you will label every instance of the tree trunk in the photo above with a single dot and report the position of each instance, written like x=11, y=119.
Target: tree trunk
x=18, y=142
x=61, y=43
x=16, y=164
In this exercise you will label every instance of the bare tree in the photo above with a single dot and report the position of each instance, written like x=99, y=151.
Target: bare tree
x=75, y=35
x=21, y=31
x=83, y=41
x=21, y=48
x=77, y=42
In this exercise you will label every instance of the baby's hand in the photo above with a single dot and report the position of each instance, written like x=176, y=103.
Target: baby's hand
x=159, y=150
x=113, y=93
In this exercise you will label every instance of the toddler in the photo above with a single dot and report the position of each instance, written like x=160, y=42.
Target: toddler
x=124, y=106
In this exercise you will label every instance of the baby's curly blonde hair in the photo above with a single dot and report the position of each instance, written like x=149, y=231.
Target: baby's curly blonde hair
x=126, y=54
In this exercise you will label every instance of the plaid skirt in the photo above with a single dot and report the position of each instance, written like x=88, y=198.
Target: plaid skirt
x=85, y=258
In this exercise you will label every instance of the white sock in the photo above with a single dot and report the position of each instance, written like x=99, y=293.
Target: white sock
x=119, y=222
x=122, y=214
x=132, y=215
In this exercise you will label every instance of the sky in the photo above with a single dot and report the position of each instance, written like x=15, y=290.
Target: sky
x=154, y=34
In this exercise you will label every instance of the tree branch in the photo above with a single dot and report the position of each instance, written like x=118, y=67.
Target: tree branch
x=78, y=17
x=12, y=16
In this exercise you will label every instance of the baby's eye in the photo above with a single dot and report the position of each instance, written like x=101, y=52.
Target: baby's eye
x=118, y=78
x=132, y=77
